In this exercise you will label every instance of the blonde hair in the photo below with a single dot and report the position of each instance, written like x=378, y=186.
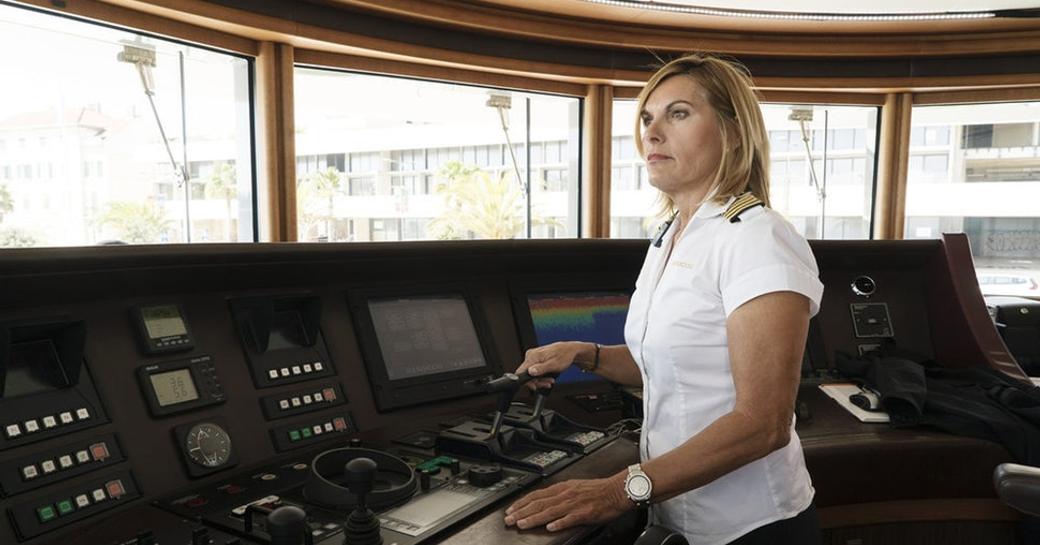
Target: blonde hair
x=744, y=165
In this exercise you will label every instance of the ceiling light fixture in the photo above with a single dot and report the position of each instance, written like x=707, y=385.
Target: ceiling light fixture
x=790, y=16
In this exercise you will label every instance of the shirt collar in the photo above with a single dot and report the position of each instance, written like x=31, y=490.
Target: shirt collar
x=711, y=208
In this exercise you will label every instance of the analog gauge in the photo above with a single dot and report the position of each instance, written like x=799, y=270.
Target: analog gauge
x=208, y=445
x=864, y=286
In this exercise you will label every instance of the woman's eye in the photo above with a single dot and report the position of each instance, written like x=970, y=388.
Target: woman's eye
x=679, y=114
x=646, y=120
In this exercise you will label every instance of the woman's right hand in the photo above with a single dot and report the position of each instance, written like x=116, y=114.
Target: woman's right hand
x=551, y=359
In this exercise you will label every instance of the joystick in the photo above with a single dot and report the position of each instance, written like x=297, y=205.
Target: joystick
x=362, y=528
x=287, y=525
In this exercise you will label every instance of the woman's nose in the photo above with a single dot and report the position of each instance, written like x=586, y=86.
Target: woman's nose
x=651, y=133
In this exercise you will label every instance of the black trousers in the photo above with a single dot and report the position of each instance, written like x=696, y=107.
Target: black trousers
x=801, y=529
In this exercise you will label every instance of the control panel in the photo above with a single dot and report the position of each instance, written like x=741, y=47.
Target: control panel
x=177, y=386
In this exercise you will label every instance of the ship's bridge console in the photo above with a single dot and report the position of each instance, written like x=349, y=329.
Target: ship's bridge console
x=254, y=394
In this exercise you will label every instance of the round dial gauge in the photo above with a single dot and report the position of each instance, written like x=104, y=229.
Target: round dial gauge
x=208, y=445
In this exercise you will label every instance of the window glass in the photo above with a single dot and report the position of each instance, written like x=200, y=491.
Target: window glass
x=980, y=175
x=837, y=205
x=84, y=161
x=428, y=160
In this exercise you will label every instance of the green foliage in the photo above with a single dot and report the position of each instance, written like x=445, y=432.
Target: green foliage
x=13, y=237
x=476, y=202
x=136, y=223
x=315, y=198
x=6, y=202
x=222, y=183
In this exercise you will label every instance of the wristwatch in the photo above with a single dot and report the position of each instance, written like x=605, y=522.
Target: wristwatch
x=638, y=486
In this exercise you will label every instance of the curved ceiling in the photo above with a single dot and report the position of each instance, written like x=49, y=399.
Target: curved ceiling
x=875, y=7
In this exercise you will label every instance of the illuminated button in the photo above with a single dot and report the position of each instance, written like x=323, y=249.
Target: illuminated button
x=48, y=466
x=296, y=370
x=318, y=366
x=272, y=374
x=318, y=397
x=307, y=399
x=329, y=394
x=328, y=426
x=46, y=513
x=294, y=436
x=82, y=501
x=296, y=402
x=65, y=461
x=339, y=423
x=317, y=430
x=82, y=456
x=31, y=426
x=308, y=368
x=98, y=495
x=82, y=413
x=284, y=371
x=30, y=472
x=49, y=422
x=13, y=430
x=99, y=451
x=306, y=433
x=115, y=489
x=66, y=417
x=284, y=404
x=65, y=507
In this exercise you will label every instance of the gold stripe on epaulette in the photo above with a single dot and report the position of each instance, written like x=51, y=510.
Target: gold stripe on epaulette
x=743, y=202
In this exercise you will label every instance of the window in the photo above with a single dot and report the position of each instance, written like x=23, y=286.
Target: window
x=120, y=183
x=985, y=183
x=838, y=204
x=428, y=160
x=633, y=207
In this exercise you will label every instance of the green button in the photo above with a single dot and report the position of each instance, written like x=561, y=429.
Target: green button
x=65, y=507
x=46, y=513
x=306, y=432
x=294, y=435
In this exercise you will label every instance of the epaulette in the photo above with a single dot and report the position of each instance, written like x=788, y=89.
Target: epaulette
x=743, y=203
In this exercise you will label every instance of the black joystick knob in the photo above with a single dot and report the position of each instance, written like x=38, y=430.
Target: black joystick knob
x=456, y=467
x=424, y=480
x=484, y=476
x=287, y=525
x=362, y=528
x=355, y=442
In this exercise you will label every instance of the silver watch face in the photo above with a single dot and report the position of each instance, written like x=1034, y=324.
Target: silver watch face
x=638, y=486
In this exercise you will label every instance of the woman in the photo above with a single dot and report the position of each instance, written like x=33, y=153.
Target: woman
x=714, y=334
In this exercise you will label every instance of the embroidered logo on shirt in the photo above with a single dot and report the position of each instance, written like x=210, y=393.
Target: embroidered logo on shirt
x=683, y=264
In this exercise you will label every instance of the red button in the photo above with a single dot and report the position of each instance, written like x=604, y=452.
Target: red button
x=233, y=489
x=197, y=501
x=329, y=394
x=115, y=489
x=99, y=451
x=339, y=423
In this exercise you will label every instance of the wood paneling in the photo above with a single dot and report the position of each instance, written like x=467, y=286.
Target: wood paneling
x=892, y=166
x=977, y=96
x=595, y=179
x=276, y=161
x=915, y=511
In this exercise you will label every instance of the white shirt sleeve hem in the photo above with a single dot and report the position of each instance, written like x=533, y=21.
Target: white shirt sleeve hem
x=771, y=279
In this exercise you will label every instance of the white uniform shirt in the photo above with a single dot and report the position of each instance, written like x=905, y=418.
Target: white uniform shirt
x=676, y=331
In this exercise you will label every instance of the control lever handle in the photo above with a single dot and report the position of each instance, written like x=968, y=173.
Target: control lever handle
x=506, y=387
x=541, y=393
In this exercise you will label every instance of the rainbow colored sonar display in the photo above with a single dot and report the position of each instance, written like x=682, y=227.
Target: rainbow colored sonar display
x=597, y=317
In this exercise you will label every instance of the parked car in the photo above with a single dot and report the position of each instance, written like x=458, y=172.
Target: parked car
x=1009, y=283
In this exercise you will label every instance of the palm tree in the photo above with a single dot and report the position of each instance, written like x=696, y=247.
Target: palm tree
x=322, y=187
x=13, y=237
x=6, y=202
x=136, y=222
x=479, y=203
x=222, y=184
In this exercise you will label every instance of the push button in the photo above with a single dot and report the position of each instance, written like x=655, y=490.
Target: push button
x=317, y=430
x=31, y=426
x=294, y=436
x=46, y=513
x=82, y=456
x=329, y=394
x=307, y=399
x=296, y=402
x=65, y=461
x=318, y=396
x=66, y=417
x=13, y=430
x=48, y=467
x=98, y=495
x=99, y=451
x=115, y=489
x=308, y=368
x=318, y=366
x=296, y=370
x=65, y=507
x=328, y=426
x=82, y=501
x=30, y=472
x=306, y=433
x=49, y=422
x=284, y=371
x=82, y=413
x=272, y=374
x=339, y=423
x=284, y=404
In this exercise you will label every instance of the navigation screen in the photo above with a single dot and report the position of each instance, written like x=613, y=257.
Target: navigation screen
x=420, y=336
x=286, y=331
x=163, y=321
x=591, y=317
x=33, y=367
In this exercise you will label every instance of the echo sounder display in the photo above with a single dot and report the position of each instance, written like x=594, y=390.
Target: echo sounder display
x=420, y=336
x=589, y=317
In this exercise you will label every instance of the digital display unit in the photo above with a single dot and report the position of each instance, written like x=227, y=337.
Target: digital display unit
x=33, y=367
x=162, y=328
x=286, y=331
x=421, y=336
x=174, y=387
x=426, y=344
x=590, y=316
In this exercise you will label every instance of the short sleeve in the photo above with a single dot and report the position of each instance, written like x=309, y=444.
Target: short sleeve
x=765, y=255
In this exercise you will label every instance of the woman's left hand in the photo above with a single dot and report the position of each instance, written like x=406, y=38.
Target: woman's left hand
x=570, y=503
